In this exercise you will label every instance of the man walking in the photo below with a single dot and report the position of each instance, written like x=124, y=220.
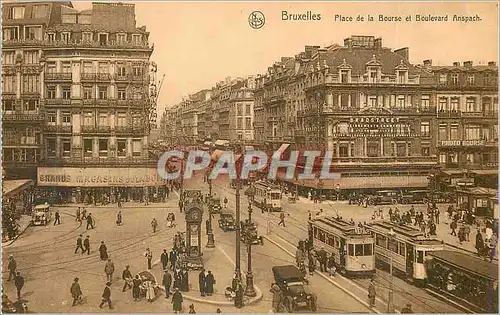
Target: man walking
x=372, y=293
x=77, y=217
x=149, y=257
x=90, y=221
x=282, y=219
x=106, y=296
x=164, y=259
x=167, y=282
x=201, y=281
x=154, y=224
x=79, y=244
x=109, y=269
x=322, y=258
x=173, y=258
x=12, y=267
x=86, y=245
x=57, y=221
x=127, y=277
x=19, y=280
x=225, y=202
x=76, y=292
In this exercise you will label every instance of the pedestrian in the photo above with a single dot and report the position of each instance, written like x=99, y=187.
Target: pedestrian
x=136, y=288
x=282, y=219
x=103, y=251
x=86, y=245
x=311, y=264
x=154, y=224
x=150, y=290
x=173, y=259
x=149, y=256
x=201, y=282
x=407, y=309
x=90, y=221
x=19, y=281
x=57, y=221
x=164, y=259
x=184, y=280
x=372, y=293
x=331, y=265
x=322, y=258
x=277, y=296
x=467, y=232
x=177, y=301
x=191, y=309
x=167, y=282
x=209, y=283
x=106, y=296
x=453, y=227
x=177, y=278
x=119, y=218
x=76, y=292
x=127, y=277
x=225, y=202
x=109, y=269
x=79, y=244
x=12, y=266
x=436, y=215
x=78, y=212
x=479, y=243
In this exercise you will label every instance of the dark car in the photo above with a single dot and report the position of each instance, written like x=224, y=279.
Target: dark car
x=296, y=293
x=384, y=197
x=249, y=233
x=414, y=196
x=214, y=205
x=226, y=222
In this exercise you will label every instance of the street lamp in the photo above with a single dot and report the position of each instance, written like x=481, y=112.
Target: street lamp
x=391, y=236
x=249, y=290
x=210, y=233
x=238, y=301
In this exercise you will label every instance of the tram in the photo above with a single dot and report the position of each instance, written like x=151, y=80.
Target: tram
x=267, y=196
x=406, y=246
x=352, y=248
x=466, y=279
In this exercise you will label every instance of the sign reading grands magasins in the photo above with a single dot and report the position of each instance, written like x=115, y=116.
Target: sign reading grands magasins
x=98, y=177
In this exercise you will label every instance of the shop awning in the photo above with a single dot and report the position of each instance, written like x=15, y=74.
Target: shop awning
x=12, y=186
x=282, y=148
x=485, y=172
x=364, y=182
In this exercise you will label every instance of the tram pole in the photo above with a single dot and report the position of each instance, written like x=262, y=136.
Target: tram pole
x=390, y=303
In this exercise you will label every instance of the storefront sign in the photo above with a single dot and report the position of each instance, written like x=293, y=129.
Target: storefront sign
x=472, y=143
x=450, y=143
x=98, y=177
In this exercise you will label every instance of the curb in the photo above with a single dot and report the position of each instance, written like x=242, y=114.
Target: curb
x=328, y=279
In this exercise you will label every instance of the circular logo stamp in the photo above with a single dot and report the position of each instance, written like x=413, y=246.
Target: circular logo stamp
x=256, y=20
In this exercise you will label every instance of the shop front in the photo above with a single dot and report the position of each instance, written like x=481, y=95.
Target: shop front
x=101, y=185
x=18, y=195
x=477, y=199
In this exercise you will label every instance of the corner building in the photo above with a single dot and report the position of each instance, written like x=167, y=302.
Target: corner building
x=95, y=91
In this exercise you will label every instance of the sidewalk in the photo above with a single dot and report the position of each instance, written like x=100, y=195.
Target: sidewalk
x=24, y=222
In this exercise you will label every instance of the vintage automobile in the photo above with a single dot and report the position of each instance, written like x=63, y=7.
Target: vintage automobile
x=226, y=222
x=214, y=205
x=384, y=197
x=42, y=214
x=249, y=233
x=10, y=307
x=296, y=293
x=414, y=196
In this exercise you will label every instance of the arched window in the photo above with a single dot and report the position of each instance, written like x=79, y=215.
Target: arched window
x=29, y=132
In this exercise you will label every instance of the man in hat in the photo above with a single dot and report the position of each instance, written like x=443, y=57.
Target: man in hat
x=167, y=282
x=109, y=269
x=12, y=267
x=79, y=244
x=106, y=296
x=127, y=277
x=19, y=280
x=164, y=259
x=372, y=293
x=86, y=245
x=90, y=221
x=76, y=292
x=177, y=301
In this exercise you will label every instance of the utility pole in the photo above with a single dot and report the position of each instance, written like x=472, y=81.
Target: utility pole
x=237, y=270
x=250, y=290
x=390, y=303
x=210, y=233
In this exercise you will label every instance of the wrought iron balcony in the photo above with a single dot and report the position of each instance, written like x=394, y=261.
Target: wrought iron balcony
x=141, y=45
x=59, y=76
x=95, y=129
x=472, y=114
x=88, y=76
x=58, y=128
x=448, y=114
x=103, y=77
x=57, y=101
x=23, y=140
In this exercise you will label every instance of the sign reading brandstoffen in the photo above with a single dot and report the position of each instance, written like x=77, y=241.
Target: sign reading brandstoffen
x=98, y=177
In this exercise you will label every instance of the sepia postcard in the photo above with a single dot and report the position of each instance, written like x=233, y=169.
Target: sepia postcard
x=249, y=157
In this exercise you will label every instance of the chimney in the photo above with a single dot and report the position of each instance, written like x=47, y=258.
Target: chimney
x=403, y=52
x=468, y=64
x=378, y=43
x=456, y=64
x=428, y=63
x=492, y=64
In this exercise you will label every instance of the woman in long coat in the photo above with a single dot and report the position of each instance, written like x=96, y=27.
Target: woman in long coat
x=276, y=291
x=150, y=291
x=209, y=283
x=177, y=301
x=177, y=278
x=184, y=280
x=136, y=288
x=103, y=251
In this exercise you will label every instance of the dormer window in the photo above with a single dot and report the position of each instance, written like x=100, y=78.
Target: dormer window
x=454, y=79
x=103, y=38
x=402, y=76
x=65, y=36
x=87, y=37
x=137, y=39
x=121, y=38
x=16, y=13
x=33, y=32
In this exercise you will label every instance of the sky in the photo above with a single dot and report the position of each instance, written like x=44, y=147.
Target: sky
x=198, y=44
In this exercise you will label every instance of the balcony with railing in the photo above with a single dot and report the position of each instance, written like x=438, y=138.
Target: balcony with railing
x=103, y=77
x=17, y=141
x=449, y=114
x=95, y=129
x=57, y=101
x=137, y=129
x=74, y=43
x=386, y=160
x=472, y=114
x=108, y=161
x=21, y=116
x=58, y=76
x=58, y=129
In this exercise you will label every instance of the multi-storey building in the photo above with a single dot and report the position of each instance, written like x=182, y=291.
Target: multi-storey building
x=467, y=116
x=94, y=77
x=23, y=74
